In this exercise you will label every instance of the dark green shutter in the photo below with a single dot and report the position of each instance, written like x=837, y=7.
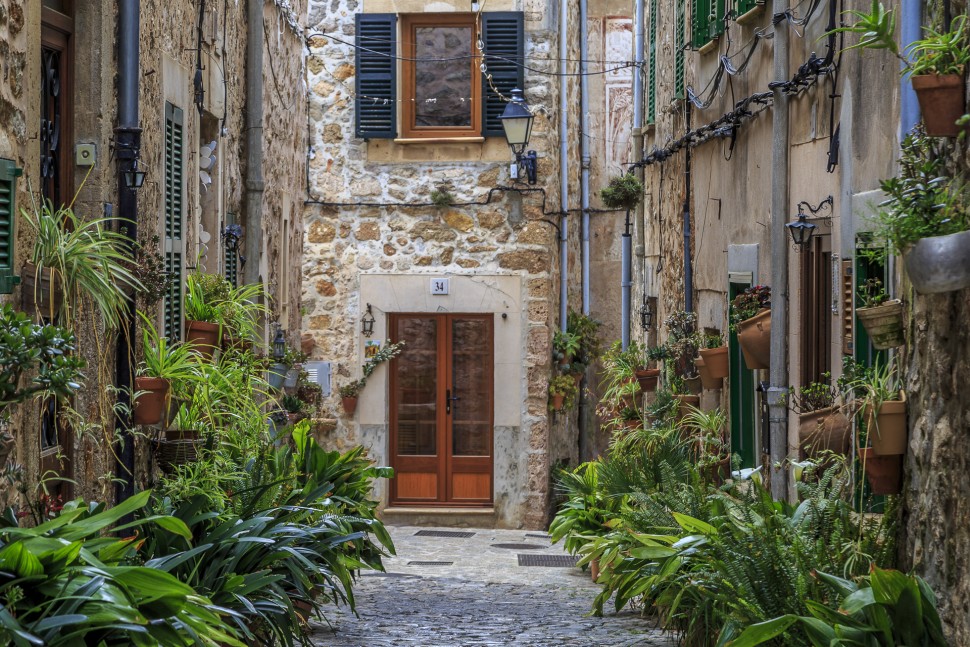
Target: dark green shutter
x=376, y=78
x=700, y=18
x=230, y=256
x=744, y=6
x=679, y=28
x=502, y=36
x=174, y=197
x=715, y=26
x=8, y=209
x=652, y=64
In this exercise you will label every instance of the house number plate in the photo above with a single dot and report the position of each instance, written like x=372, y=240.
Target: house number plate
x=439, y=286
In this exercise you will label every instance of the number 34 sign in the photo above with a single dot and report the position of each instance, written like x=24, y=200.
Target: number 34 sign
x=439, y=286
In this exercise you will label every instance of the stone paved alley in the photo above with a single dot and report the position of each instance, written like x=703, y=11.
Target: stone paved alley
x=484, y=597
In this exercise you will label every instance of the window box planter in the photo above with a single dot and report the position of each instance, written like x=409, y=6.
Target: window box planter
x=884, y=473
x=941, y=101
x=754, y=336
x=204, y=335
x=887, y=429
x=939, y=263
x=716, y=361
x=884, y=324
x=824, y=430
x=150, y=404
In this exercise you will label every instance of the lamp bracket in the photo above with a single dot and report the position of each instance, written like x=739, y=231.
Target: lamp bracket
x=827, y=202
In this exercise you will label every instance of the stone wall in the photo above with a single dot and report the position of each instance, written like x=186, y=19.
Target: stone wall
x=370, y=213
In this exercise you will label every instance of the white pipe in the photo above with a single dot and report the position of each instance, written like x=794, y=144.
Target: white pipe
x=626, y=248
x=563, y=165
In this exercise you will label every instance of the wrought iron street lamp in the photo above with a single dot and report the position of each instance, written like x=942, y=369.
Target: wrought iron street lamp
x=279, y=345
x=367, y=323
x=801, y=230
x=134, y=179
x=517, y=123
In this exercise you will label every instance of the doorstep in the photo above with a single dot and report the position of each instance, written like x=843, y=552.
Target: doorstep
x=440, y=517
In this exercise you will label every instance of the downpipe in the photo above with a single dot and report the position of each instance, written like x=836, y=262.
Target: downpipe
x=254, y=141
x=563, y=165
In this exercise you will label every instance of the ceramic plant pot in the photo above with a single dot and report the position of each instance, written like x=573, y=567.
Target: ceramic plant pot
x=291, y=378
x=647, y=378
x=707, y=381
x=203, y=335
x=941, y=101
x=683, y=402
x=754, y=336
x=883, y=324
x=939, y=263
x=43, y=295
x=884, y=473
x=887, y=431
x=349, y=404
x=824, y=430
x=276, y=376
x=150, y=405
x=557, y=400
x=716, y=360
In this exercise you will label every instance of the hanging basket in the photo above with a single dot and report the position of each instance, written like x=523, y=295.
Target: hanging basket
x=884, y=324
x=939, y=263
x=716, y=360
x=150, y=404
x=754, y=336
x=177, y=448
x=824, y=430
x=941, y=102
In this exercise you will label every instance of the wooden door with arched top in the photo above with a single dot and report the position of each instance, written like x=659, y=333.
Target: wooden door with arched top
x=441, y=409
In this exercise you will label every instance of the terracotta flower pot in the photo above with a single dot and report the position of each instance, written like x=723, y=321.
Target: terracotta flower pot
x=577, y=378
x=754, y=336
x=716, y=360
x=941, y=101
x=884, y=324
x=884, y=473
x=349, y=404
x=683, y=401
x=717, y=473
x=594, y=569
x=203, y=335
x=824, y=430
x=888, y=432
x=557, y=400
x=150, y=405
x=707, y=381
x=647, y=378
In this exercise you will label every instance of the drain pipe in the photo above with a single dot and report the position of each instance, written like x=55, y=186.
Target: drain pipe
x=127, y=145
x=909, y=31
x=584, y=148
x=688, y=266
x=637, y=130
x=778, y=373
x=563, y=165
x=254, y=140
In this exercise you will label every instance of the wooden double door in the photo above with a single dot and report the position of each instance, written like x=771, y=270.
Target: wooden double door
x=441, y=409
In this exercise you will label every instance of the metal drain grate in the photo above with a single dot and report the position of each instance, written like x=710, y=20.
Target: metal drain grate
x=557, y=561
x=430, y=563
x=455, y=534
x=539, y=536
x=520, y=546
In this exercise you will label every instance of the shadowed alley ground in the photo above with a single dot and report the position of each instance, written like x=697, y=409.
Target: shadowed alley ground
x=483, y=597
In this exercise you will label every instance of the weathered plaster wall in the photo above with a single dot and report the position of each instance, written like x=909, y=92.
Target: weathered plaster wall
x=401, y=237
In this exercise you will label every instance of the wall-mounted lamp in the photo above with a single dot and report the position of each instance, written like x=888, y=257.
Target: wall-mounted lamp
x=367, y=323
x=279, y=345
x=134, y=179
x=517, y=123
x=801, y=229
x=646, y=314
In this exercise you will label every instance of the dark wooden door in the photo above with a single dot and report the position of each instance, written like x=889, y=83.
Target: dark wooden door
x=441, y=404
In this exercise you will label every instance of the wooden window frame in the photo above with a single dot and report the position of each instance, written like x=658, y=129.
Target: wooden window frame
x=816, y=315
x=409, y=22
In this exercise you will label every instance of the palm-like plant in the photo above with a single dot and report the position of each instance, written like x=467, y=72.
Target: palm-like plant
x=162, y=358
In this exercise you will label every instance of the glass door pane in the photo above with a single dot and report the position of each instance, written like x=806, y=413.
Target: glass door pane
x=471, y=372
x=416, y=387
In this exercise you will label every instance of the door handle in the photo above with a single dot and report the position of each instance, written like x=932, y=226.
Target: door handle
x=449, y=400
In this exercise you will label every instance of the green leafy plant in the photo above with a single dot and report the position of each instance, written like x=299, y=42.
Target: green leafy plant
x=871, y=293
x=441, y=197
x=26, y=347
x=749, y=303
x=587, y=330
x=199, y=301
x=148, y=267
x=566, y=345
x=623, y=192
x=162, y=358
x=712, y=340
x=565, y=386
x=813, y=396
x=388, y=352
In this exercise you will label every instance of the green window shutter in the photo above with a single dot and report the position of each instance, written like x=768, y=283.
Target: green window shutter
x=230, y=257
x=375, y=82
x=700, y=19
x=652, y=64
x=502, y=37
x=715, y=26
x=174, y=199
x=8, y=209
x=679, y=28
x=744, y=6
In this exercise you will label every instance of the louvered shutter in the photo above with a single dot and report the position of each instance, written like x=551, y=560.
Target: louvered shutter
x=652, y=64
x=376, y=78
x=679, y=27
x=502, y=36
x=700, y=16
x=8, y=209
x=174, y=219
x=715, y=25
x=230, y=256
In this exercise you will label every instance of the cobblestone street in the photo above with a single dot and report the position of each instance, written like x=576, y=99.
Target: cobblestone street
x=483, y=597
